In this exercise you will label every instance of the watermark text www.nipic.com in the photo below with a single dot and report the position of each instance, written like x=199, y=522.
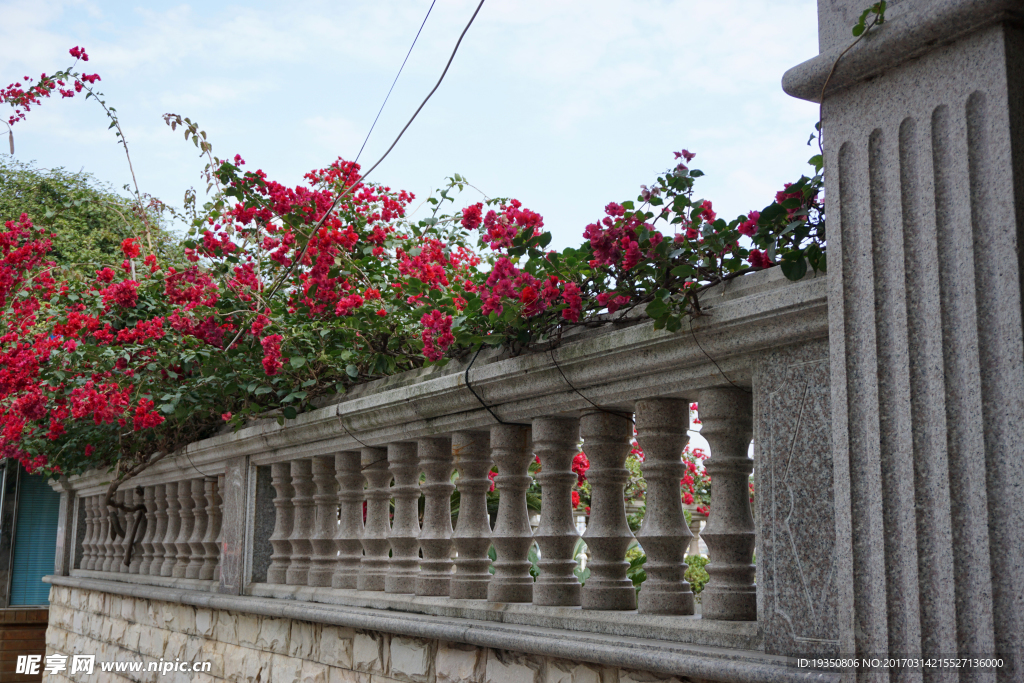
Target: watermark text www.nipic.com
x=87, y=664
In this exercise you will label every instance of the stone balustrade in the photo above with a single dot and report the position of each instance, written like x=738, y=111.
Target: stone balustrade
x=391, y=512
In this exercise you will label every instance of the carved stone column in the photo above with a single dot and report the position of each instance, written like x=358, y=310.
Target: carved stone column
x=160, y=529
x=197, y=551
x=149, y=500
x=435, y=456
x=123, y=497
x=280, y=558
x=186, y=512
x=210, y=550
x=173, y=527
x=727, y=424
x=136, y=498
x=302, y=524
x=219, y=539
x=661, y=425
x=91, y=527
x=512, y=537
x=350, y=528
x=325, y=527
x=555, y=440
x=374, y=565
x=472, y=536
x=606, y=438
x=103, y=543
x=405, y=527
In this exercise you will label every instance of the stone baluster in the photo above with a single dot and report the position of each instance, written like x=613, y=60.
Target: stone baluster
x=210, y=550
x=374, y=565
x=695, y=541
x=149, y=500
x=89, y=506
x=302, y=523
x=186, y=512
x=405, y=528
x=606, y=438
x=219, y=539
x=435, y=456
x=472, y=536
x=661, y=426
x=350, y=528
x=160, y=532
x=284, y=515
x=125, y=520
x=555, y=440
x=104, y=546
x=136, y=496
x=173, y=527
x=322, y=561
x=727, y=423
x=512, y=537
x=197, y=552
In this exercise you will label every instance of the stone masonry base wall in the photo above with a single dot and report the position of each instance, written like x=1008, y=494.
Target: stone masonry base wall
x=255, y=649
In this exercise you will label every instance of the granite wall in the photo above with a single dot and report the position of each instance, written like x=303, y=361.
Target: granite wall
x=249, y=648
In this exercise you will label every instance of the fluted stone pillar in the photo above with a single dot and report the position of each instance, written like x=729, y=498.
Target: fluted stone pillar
x=405, y=527
x=606, y=438
x=186, y=511
x=555, y=440
x=208, y=570
x=374, y=565
x=661, y=425
x=435, y=457
x=160, y=528
x=727, y=424
x=302, y=522
x=149, y=500
x=923, y=167
x=173, y=528
x=512, y=451
x=325, y=526
x=197, y=551
x=472, y=537
x=350, y=519
x=281, y=480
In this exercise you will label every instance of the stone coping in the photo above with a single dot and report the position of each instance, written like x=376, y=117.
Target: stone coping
x=612, y=368
x=681, y=659
x=910, y=30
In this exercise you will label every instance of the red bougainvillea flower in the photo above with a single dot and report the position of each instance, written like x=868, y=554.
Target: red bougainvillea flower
x=271, y=354
x=130, y=247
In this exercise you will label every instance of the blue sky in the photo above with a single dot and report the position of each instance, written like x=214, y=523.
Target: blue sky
x=564, y=104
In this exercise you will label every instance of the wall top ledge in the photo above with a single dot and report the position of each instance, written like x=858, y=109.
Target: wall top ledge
x=703, y=662
x=911, y=29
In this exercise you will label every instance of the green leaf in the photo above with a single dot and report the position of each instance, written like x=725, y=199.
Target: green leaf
x=290, y=412
x=263, y=390
x=297, y=361
x=352, y=371
x=793, y=265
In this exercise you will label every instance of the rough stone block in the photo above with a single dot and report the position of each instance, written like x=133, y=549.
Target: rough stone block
x=368, y=652
x=646, y=677
x=286, y=668
x=410, y=659
x=127, y=609
x=175, y=646
x=336, y=646
x=509, y=667
x=248, y=629
x=273, y=635
x=312, y=672
x=457, y=663
x=225, y=627
x=564, y=671
x=339, y=675
x=304, y=641
x=204, y=622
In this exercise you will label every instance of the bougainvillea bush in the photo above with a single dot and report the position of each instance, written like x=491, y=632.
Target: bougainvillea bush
x=285, y=295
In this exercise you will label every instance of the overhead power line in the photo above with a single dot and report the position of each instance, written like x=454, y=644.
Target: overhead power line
x=396, y=79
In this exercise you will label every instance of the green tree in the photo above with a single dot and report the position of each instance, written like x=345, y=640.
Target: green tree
x=89, y=219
